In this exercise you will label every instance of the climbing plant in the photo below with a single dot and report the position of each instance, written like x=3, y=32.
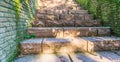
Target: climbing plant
x=106, y=10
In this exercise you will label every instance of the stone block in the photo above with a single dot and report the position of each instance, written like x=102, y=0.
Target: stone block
x=66, y=17
x=79, y=17
x=37, y=23
x=87, y=23
x=40, y=16
x=31, y=46
x=88, y=17
x=58, y=32
x=68, y=23
x=50, y=17
x=82, y=12
x=87, y=31
x=102, y=43
x=53, y=23
x=79, y=31
x=41, y=32
x=79, y=44
x=70, y=32
x=104, y=31
x=53, y=45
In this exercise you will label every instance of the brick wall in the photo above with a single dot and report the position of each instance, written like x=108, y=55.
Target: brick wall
x=12, y=30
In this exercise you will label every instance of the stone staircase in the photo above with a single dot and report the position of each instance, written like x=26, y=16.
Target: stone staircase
x=64, y=26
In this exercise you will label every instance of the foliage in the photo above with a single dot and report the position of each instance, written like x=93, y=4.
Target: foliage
x=106, y=10
x=28, y=36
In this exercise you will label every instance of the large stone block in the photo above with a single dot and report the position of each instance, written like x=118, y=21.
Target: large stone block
x=58, y=32
x=31, y=46
x=79, y=31
x=68, y=23
x=102, y=43
x=50, y=17
x=53, y=45
x=71, y=32
x=38, y=23
x=87, y=23
x=104, y=31
x=40, y=16
x=79, y=17
x=79, y=44
x=82, y=12
x=46, y=32
x=53, y=23
x=88, y=17
x=41, y=32
x=66, y=17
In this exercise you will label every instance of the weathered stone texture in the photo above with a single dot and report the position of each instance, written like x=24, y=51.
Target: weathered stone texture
x=31, y=46
x=61, y=32
x=102, y=43
x=56, y=45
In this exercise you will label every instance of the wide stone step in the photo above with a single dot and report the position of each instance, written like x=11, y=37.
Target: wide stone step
x=66, y=23
x=104, y=56
x=44, y=58
x=62, y=11
x=69, y=45
x=62, y=32
x=64, y=15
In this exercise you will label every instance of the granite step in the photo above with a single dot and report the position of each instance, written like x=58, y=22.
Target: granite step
x=61, y=57
x=62, y=32
x=62, y=11
x=66, y=23
x=104, y=56
x=69, y=45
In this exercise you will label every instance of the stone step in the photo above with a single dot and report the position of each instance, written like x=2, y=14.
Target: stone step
x=104, y=56
x=70, y=17
x=61, y=32
x=69, y=45
x=86, y=57
x=47, y=5
x=31, y=46
x=62, y=11
x=103, y=43
x=44, y=58
x=66, y=23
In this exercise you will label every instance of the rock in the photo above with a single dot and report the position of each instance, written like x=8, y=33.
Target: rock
x=102, y=43
x=104, y=31
x=53, y=45
x=37, y=23
x=31, y=46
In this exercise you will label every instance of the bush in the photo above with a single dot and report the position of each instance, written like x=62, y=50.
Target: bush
x=108, y=11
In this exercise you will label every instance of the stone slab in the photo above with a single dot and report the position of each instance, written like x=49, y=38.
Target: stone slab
x=43, y=58
x=55, y=45
x=31, y=46
x=69, y=31
x=110, y=56
x=86, y=57
x=79, y=31
x=79, y=45
x=87, y=23
x=102, y=43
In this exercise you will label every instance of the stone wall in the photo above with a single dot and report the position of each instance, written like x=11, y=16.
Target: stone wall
x=9, y=27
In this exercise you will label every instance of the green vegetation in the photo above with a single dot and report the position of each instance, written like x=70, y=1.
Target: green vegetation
x=28, y=36
x=106, y=10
